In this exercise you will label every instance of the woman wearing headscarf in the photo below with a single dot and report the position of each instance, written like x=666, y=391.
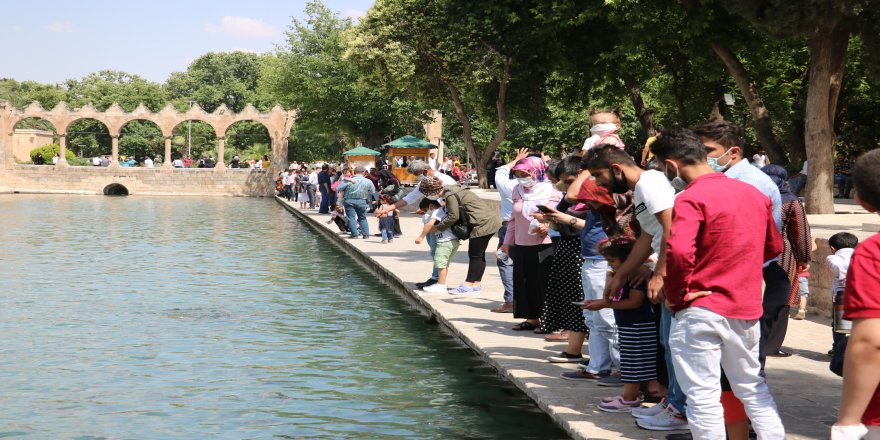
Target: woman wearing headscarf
x=533, y=251
x=797, y=244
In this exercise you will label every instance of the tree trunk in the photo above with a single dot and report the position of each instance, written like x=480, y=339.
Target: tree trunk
x=644, y=113
x=481, y=157
x=827, y=56
x=760, y=114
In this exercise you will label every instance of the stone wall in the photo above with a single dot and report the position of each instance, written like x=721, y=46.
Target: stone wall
x=144, y=181
x=25, y=140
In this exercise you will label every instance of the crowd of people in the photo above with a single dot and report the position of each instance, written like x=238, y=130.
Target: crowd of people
x=678, y=276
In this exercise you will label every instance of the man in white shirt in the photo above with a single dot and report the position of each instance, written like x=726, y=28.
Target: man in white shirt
x=148, y=163
x=312, y=186
x=432, y=161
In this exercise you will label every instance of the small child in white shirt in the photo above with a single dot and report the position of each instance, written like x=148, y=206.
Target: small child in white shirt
x=446, y=246
x=842, y=245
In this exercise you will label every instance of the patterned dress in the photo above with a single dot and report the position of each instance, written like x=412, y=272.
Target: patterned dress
x=797, y=244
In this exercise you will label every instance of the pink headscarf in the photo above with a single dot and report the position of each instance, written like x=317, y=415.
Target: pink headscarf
x=535, y=166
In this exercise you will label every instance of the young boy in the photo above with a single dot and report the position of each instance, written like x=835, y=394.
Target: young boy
x=860, y=401
x=842, y=247
x=386, y=223
x=445, y=248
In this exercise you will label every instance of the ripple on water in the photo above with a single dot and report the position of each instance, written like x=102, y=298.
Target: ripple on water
x=191, y=318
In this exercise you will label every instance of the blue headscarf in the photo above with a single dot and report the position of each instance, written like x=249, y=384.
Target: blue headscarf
x=779, y=176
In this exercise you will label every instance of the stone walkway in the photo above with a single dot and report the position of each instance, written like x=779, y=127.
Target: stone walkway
x=805, y=391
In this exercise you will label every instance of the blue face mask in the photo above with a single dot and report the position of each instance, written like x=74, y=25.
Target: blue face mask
x=713, y=163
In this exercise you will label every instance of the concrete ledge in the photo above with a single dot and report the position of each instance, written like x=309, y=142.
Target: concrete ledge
x=803, y=387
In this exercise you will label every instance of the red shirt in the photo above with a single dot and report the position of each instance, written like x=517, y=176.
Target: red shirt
x=861, y=299
x=722, y=233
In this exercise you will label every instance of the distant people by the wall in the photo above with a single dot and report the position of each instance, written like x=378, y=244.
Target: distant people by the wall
x=235, y=162
x=300, y=185
x=177, y=163
x=797, y=182
x=148, y=163
x=105, y=161
x=265, y=162
x=843, y=175
x=187, y=162
x=289, y=177
x=39, y=160
x=127, y=162
x=56, y=158
x=96, y=161
x=759, y=159
x=493, y=165
x=324, y=188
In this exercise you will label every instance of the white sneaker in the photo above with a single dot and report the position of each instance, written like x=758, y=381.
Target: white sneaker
x=668, y=420
x=435, y=288
x=647, y=412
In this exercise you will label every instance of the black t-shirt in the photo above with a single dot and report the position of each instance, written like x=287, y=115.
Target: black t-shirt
x=640, y=315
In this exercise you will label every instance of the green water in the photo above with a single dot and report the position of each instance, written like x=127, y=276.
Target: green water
x=154, y=318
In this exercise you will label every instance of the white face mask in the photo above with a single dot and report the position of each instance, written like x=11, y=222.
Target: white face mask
x=600, y=129
x=526, y=182
x=432, y=197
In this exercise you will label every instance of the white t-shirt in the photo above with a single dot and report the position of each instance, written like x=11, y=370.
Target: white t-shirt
x=416, y=195
x=432, y=162
x=442, y=236
x=653, y=194
x=148, y=162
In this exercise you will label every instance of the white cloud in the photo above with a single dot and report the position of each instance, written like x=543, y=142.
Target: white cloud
x=243, y=27
x=238, y=49
x=355, y=13
x=60, y=27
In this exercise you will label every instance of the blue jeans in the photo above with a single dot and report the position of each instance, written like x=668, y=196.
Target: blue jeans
x=325, y=200
x=387, y=234
x=432, y=243
x=505, y=270
x=844, y=184
x=356, y=211
x=674, y=395
x=602, y=345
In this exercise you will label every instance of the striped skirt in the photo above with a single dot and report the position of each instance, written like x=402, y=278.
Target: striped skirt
x=638, y=352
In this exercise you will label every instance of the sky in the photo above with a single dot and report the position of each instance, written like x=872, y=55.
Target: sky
x=52, y=41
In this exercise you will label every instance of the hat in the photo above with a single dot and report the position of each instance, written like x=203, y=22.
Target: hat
x=431, y=185
x=592, y=192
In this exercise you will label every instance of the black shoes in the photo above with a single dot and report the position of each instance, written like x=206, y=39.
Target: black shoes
x=430, y=281
x=779, y=354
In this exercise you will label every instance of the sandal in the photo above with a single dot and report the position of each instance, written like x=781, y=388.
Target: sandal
x=525, y=325
x=539, y=331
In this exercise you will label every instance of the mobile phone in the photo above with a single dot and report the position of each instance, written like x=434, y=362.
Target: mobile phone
x=579, y=303
x=544, y=209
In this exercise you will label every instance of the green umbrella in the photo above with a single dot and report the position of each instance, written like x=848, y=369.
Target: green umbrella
x=409, y=142
x=361, y=151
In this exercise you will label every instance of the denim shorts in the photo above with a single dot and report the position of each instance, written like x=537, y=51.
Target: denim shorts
x=803, y=284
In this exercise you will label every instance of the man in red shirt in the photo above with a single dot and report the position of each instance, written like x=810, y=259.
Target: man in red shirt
x=722, y=232
x=860, y=401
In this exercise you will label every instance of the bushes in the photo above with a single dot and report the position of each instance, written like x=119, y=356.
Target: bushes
x=49, y=151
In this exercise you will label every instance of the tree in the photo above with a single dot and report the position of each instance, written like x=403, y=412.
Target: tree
x=311, y=75
x=826, y=24
x=216, y=78
x=105, y=87
x=480, y=56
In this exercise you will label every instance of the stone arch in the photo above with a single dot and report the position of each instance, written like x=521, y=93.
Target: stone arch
x=115, y=189
x=232, y=141
x=151, y=151
x=204, y=136
x=29, y=136
x=91, y=143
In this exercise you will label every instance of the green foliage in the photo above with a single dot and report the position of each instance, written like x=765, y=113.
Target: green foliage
x=217, y=78
x=140, y=139
x=49, y=151
x=89, y=136
x=105, y=87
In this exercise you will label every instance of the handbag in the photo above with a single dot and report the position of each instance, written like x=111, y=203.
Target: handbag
x=462, y=228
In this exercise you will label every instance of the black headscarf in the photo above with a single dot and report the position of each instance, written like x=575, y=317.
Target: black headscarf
x=779, y=176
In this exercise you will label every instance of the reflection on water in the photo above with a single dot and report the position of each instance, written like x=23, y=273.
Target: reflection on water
x=192, y=318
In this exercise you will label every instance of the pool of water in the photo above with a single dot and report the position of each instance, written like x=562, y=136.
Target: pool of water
x=155, y=318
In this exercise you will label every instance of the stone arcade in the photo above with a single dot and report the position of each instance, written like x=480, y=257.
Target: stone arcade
x=63, y=178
